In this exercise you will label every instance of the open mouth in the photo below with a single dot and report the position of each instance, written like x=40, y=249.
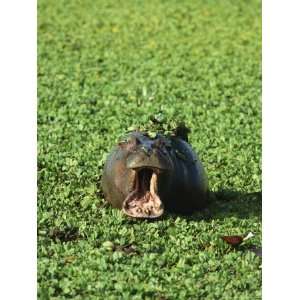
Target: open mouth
x=143, y=201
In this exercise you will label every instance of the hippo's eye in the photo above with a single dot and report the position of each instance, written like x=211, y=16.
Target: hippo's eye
x=129, y=143
x=129, y=140
x=124, y=141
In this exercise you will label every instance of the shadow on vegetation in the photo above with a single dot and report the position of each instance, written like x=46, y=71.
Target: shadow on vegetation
x=228, y=203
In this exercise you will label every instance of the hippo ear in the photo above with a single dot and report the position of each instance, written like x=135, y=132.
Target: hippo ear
x=182, y=131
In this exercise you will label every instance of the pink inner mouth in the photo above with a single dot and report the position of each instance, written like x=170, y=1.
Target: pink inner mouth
x=143, y=201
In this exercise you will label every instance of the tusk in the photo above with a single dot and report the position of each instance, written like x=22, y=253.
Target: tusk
x=153, y=183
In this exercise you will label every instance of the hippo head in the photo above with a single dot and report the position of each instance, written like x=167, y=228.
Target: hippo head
x=146, y=160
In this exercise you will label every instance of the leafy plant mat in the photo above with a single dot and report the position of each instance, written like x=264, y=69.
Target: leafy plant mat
x=106, y=66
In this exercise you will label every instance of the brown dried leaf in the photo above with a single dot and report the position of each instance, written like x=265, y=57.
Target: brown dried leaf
x=233, y=240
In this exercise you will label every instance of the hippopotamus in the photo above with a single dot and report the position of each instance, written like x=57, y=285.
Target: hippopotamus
x=145, y=176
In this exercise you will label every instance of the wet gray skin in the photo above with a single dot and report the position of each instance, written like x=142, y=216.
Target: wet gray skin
x=145, y=176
